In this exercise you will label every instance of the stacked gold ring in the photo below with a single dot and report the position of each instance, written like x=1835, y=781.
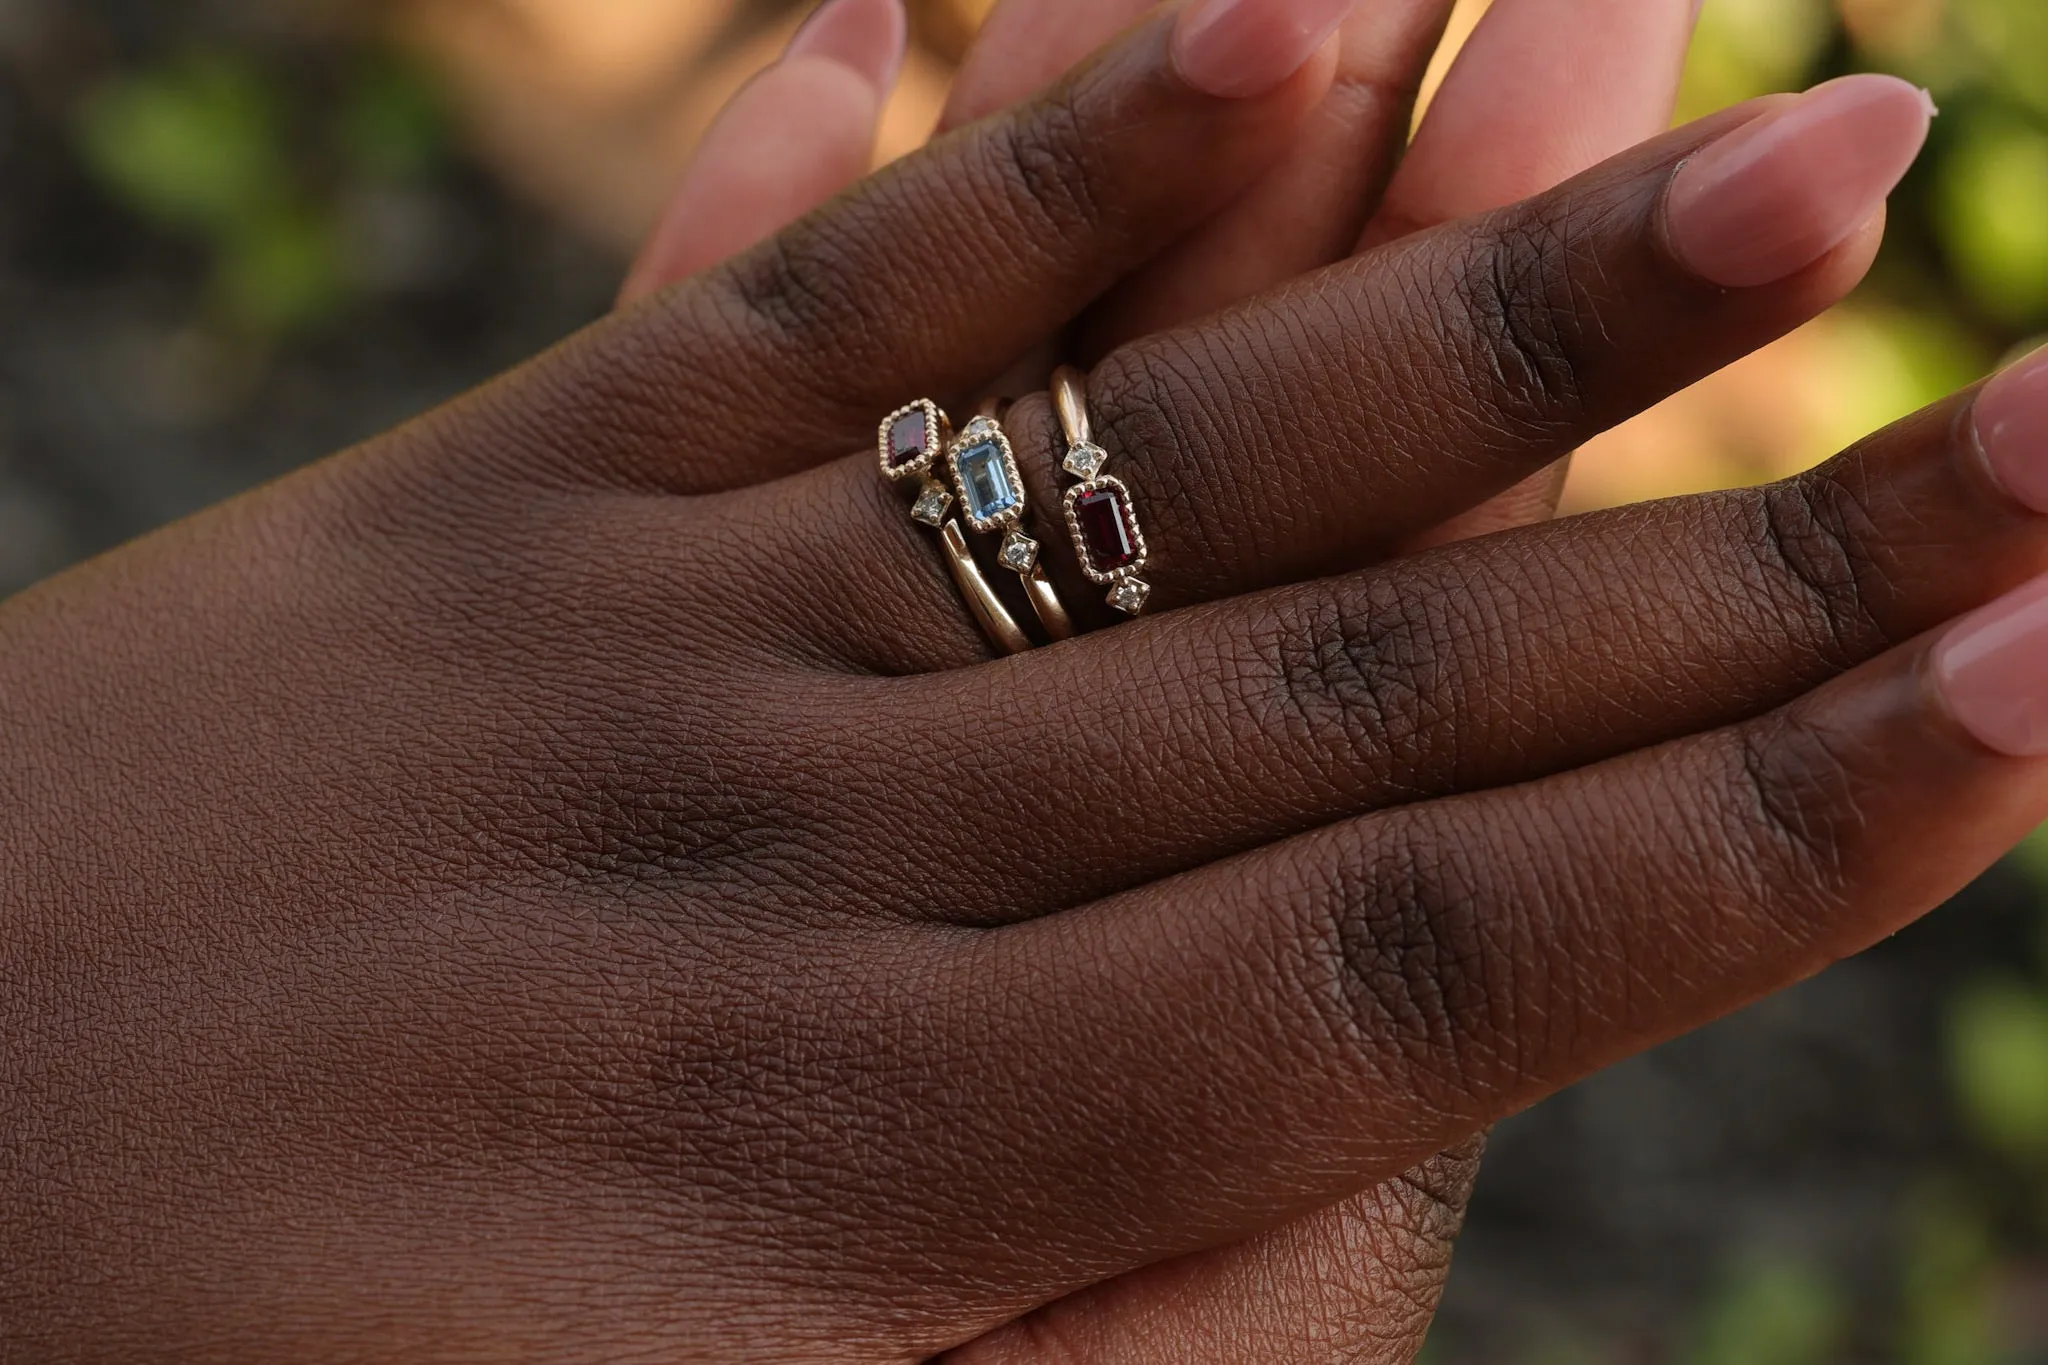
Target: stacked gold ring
x=1101, y=515
x=913, y=438
x=994, y=499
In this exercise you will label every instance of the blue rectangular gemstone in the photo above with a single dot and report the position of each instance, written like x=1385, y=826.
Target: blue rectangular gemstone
x=985, y=479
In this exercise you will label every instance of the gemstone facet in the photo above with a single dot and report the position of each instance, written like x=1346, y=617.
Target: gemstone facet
x=1108, y=532
x=909, y=439
x=1086, y=460
x=985, y=482
x=912, y=439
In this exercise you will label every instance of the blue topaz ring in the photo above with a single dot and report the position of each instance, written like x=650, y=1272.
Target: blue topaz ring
x=994, y=501
x=912, y=441
x=1102, y=519
x=991, y=489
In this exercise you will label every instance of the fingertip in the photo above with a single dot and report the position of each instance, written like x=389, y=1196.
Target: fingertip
x=871, y=37
x=1239, y=49
x=1788, y=188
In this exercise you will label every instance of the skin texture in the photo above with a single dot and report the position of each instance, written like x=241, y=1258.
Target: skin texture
x=567, y=882
x=1544, y=89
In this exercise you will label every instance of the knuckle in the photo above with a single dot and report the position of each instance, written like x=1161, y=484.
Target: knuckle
x=1410, y=976
x=1152, y=414
x=1364, y=667
x=1808, y=539
x=1045, y=164
x=792, y=289
x=1794, y=812
x=1529, y=320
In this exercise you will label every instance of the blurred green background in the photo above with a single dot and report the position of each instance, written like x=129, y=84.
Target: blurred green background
x=239, y=236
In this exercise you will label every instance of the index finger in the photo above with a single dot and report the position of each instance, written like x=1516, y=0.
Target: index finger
x=1305, y=212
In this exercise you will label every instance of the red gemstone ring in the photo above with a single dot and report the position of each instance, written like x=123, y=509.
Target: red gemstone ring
x=1101, y=517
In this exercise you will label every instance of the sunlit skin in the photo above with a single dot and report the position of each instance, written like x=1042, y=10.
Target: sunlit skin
x=567, y=880
x=1543, y=90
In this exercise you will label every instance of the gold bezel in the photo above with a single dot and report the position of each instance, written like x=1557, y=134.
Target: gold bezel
x=1073, y=501
x=1017, y=535
x=1100, y=462
x=943, y=505
x=1127, y=579
x=983, y=429
x=938, y=435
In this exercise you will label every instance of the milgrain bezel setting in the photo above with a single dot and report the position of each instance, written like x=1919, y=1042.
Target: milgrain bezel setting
x=1128, y=591
x=937, y=436
x=1106, y=484
x=987, y=431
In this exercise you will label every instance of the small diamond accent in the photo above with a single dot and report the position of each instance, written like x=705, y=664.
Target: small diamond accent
x=1020, y=552
x=1086, y=460
x=1130, y=596
x=932, y=504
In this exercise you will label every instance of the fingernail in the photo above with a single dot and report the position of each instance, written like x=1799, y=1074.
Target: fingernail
x=1779, y=193
x=2012, y=429
x=1992, y=669
x=1236, y=49
x=868, y=36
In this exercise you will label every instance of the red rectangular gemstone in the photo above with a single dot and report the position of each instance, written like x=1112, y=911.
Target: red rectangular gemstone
x=908, y=439
x=1106, y=530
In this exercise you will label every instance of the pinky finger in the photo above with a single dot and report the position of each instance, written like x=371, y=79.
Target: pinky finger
x=800, y=132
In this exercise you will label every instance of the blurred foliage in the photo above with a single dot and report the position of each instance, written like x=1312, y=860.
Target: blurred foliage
x=1773, y=1311
x=260, y=172
x=1947, y=1313
x=1998, y=1056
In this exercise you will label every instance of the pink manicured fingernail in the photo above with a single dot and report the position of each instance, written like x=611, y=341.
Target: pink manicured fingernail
x=1779, y=193
x=1236, y=49
x=2012, y=429
x=1993, y=670
x=868, y=36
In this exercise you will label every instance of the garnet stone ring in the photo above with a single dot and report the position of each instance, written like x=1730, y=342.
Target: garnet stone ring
x=1101, y=517
x=912, y=439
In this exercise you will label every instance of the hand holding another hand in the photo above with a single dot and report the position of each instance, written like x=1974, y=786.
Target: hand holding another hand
x=568, y=881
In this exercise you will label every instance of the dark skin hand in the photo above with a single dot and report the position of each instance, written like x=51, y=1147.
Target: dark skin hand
x=1542, y=90
x=567, y=881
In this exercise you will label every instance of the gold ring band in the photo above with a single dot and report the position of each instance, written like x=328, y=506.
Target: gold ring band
x=988, y=609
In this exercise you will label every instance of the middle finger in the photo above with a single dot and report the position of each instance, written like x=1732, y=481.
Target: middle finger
x=1321, y=425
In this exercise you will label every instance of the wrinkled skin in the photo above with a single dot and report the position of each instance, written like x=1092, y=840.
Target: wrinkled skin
x=567, y=881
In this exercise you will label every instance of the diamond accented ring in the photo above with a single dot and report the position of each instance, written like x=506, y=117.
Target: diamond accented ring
x=1101, y=517
x=911, y=441
x=993, y=497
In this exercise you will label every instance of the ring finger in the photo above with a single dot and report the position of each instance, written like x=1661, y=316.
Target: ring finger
x=1168, y=744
